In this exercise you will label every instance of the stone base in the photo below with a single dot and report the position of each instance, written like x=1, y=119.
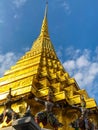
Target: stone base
x=11, y=128
x=26, y=123
x=45, y=129
x=7, y=128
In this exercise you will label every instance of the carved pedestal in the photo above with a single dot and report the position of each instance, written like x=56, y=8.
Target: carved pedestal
x=26, y=123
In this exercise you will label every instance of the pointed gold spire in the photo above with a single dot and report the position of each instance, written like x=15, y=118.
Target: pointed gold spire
x=38, y=73
x=44, y=35
x=44, y=28
x=46, y=10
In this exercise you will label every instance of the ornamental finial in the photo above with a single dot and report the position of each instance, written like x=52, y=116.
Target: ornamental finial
x=46, y=9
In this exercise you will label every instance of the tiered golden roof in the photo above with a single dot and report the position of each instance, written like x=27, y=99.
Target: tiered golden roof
x=40, y=70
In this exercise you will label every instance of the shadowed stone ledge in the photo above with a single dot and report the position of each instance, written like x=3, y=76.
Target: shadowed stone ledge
x=26, y=123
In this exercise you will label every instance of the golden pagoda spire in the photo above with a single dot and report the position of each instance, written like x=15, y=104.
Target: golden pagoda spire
x=43, y=40
x=46, y=10
x=38, y=72
x=44, y=28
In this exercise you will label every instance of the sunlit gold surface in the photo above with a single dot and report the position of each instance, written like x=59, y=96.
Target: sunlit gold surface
x=5, y=124
x=38, y=71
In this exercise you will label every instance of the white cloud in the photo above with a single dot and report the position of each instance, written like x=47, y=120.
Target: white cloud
x=64, y=4
x=69, y=66
x=84, y=68
x=1, y=21
x=19, y=3
x=96, y=53
x=6, y=61
x=16, y=16
x=93, y=70
x=26, y=49
x=59, y=52
x=66, y=7
x=82, y=61
x=71, y=52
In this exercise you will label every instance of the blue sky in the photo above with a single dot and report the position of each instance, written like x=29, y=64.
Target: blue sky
x=73, y=28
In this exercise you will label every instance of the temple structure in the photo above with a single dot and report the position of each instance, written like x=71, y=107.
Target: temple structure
x=37, y=73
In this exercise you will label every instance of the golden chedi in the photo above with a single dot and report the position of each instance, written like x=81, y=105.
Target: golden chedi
x=37, y=73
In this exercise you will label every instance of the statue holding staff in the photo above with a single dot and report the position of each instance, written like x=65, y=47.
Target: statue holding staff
x=47, y=116
x=83, y=121
x=8, y=112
